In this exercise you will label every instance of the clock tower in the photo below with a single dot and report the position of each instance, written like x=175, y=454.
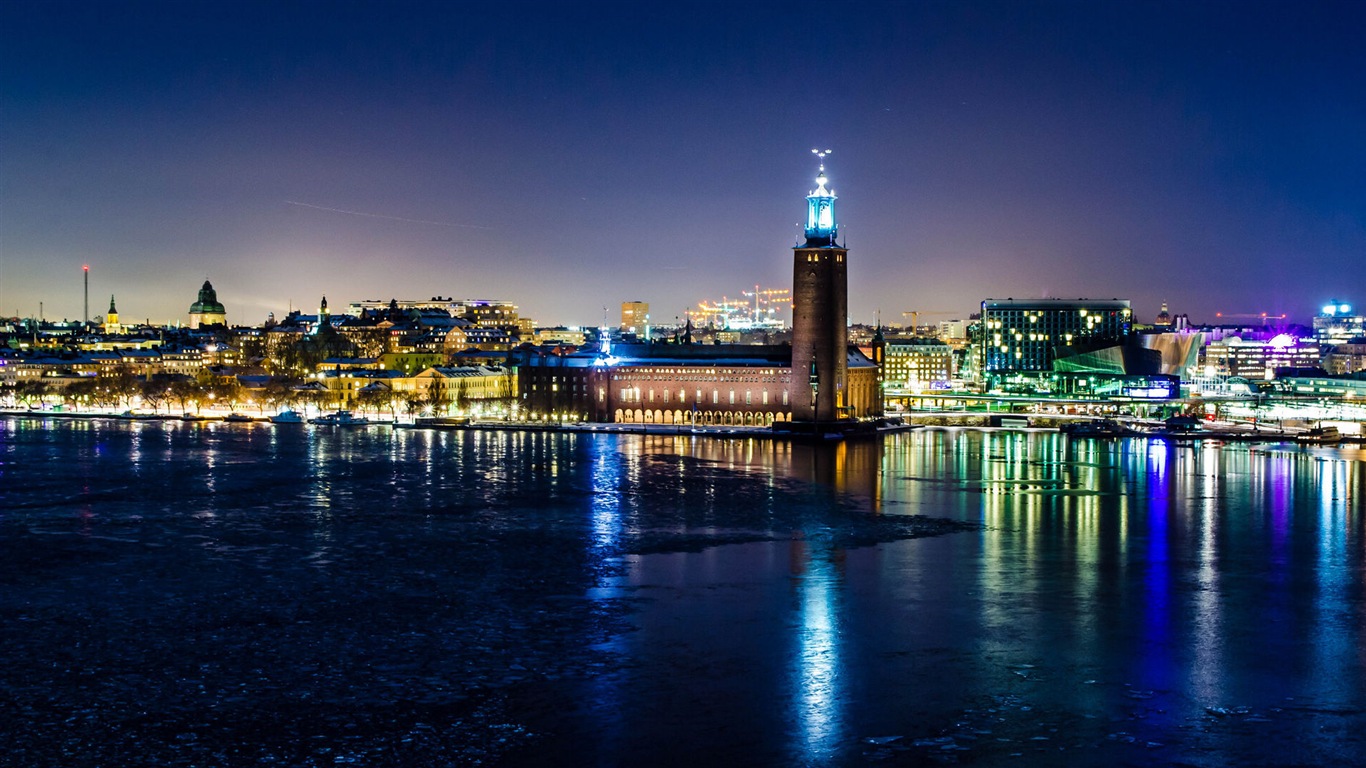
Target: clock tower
x=820, y=310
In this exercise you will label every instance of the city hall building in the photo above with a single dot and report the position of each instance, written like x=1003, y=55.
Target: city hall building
x=819, y=379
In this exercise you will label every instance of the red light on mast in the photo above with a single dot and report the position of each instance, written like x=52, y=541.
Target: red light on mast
x=86, y=267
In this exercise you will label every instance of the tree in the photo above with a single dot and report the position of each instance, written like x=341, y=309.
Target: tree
x=122, y=384
x=507, y=391
x=31, y=392
x=463, y=400
x=279, y=393
x=435, y=397
x=413, y=402
x=79, y=393
x=183, y=391
x=372, y=397
x=153, y=394
x=227, y=392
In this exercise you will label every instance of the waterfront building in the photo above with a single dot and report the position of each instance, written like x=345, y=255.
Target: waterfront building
x=207, y=311
x=819, y=378
x=704, y=384
x=1028, y=335
x=465, y=390
x=1179, y=350
x=820, y=314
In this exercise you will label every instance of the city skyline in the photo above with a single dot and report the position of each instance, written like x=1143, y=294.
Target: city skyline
x=572, y=159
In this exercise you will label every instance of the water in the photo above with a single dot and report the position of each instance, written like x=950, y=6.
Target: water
x=192, y=594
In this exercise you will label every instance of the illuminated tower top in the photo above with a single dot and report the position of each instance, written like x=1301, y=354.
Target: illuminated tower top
x=821, y=227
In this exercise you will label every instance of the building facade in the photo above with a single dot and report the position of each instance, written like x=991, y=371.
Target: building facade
x=1020, y=336
x=684, y=384
x=917, y=364
x=818, y=379
x=1259, y=360
x=1338, y=324
x=635, y=317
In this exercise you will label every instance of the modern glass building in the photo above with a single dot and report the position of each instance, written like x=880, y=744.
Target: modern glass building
x=1024, y=335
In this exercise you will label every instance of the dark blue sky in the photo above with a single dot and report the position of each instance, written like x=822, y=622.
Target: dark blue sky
x=571, y=156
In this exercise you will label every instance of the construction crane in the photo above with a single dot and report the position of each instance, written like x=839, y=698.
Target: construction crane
x=1263, y=316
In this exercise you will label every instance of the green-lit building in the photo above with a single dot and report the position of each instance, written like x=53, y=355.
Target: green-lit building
x=1029, y=335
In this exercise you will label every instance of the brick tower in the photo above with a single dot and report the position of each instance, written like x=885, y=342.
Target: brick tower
x=820, y=310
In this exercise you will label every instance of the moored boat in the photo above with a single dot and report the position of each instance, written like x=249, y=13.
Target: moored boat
x=1097, y=428
x=1319, y=436
x=340, y=419
x=287, y=417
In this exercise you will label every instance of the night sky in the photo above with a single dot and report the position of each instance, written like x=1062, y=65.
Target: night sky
x=570, y=156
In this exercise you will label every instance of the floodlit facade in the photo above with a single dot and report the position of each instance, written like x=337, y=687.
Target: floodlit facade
x=917, y=364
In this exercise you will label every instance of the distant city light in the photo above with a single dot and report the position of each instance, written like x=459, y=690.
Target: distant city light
x=1283, y=341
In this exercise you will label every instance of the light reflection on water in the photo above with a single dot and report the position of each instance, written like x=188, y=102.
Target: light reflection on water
x=1207, y=599
x=1161, y=599
x=818, y=695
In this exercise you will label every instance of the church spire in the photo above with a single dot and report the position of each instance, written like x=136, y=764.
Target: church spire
x=821, y=228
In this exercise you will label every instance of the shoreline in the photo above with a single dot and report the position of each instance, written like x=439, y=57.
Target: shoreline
x=672, y=429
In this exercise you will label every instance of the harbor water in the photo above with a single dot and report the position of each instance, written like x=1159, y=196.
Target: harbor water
x=253, y=594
